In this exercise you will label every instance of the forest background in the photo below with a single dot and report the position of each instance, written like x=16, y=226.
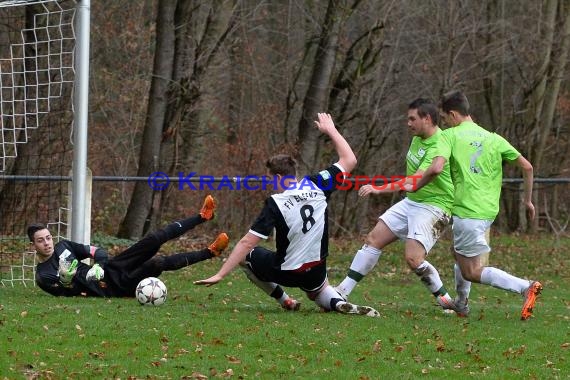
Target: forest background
x=216, y=87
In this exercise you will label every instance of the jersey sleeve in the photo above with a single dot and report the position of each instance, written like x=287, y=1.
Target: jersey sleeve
x=508, y=152
x=265, y=222
x=82, y=251
x=79, y=251
x=100, y=256
x=330, y=179
x=54, y=288
x=47, y=278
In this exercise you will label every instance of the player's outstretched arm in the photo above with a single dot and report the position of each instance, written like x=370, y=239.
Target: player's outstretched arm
x=240, y=251
x=528, y=177
x=347, y=158
x=401, y=184
x=429, y=175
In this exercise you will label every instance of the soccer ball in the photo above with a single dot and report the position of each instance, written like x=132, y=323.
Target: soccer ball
x=151, y=291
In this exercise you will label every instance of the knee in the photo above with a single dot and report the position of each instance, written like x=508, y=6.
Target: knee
x=470, y=274
x=373, y=240
x=154, y=240
x=413, y=262
x=158, y=262
x=243, y=264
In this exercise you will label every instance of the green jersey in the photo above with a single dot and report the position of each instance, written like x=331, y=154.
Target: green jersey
x=439, y=192
x=476, y=159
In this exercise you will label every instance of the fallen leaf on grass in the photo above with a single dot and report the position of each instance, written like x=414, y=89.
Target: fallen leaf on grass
x=233, y=359
x=97, y=355
x=195, y=375
x=440, y=346
x=181, y=351
x=227, y=373
x=377, y=346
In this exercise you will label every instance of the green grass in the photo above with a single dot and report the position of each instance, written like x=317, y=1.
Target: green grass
x=233, y=330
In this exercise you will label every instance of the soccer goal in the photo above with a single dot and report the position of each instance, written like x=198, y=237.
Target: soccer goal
x=37, y=79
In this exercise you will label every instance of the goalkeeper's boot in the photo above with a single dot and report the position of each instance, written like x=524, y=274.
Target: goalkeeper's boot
x=291, y=304
x=207, y=211
x=219, y=244
x=349, y=308
x=530, y=296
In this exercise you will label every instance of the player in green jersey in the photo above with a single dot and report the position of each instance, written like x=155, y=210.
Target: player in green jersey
x=418, y=219
x=476, y=157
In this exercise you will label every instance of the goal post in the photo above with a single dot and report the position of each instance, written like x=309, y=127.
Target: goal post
x=79, y=217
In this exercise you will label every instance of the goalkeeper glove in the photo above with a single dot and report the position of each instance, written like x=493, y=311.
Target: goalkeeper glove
x=96, y=273
x=67, y=271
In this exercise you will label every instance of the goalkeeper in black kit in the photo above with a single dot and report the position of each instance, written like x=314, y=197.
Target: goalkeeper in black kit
x=61, y=272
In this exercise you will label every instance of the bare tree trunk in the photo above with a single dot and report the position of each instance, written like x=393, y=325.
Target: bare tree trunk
x=319, y=86
x=545, y=94
x=140, y=206
x=553, y=87
x=209, y=36
x=169, y=155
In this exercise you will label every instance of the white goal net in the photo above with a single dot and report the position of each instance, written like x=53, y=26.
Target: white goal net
x=37, y=44
x=32, y=73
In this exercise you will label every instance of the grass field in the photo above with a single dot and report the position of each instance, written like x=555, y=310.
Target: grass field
x=232, y=330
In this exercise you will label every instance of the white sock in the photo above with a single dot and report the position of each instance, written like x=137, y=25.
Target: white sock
x=362, y=263
x=283, y=298
x=502, y=280
x=430, y=277
x=325, y=297
x=462, y=286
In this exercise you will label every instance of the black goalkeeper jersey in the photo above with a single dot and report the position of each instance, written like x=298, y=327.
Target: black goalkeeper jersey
x=47, y=273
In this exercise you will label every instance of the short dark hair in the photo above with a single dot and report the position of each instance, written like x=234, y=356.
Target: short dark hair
x=282, y=164
x=33, y=228
x=425, y=107
x=455, y=100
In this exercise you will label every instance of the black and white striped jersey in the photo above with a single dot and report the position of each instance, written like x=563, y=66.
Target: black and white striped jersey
x=299, y=216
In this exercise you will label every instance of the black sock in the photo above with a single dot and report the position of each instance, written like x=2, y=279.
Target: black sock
x=277, y=292
x=334, y=301
x=441, y=292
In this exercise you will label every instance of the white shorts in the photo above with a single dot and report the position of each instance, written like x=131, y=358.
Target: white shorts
x=412, y=220
x=469, y=236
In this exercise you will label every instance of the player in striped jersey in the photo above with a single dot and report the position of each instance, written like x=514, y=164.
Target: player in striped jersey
x=298, y=213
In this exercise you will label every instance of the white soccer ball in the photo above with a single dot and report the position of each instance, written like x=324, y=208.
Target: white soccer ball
x=151, y=292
